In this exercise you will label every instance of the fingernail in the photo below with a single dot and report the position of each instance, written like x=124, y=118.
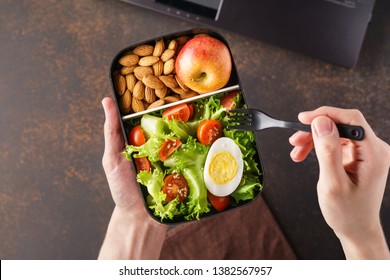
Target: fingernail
x=292, y=138
x=293, y=153
x=300, y=115
x=323, y=126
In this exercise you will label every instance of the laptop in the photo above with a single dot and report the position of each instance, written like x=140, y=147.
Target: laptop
x=330, y=30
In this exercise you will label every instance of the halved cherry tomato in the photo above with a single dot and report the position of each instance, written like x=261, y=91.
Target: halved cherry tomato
x=175, y=185
x=220, y=203
x=209, y=131
x=192, y=110
x=142, y=164
x=137, y=136
x=177, y=112
x=228, y=100
x=168, y=147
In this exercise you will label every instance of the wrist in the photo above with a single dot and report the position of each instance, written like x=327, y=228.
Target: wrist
x=133, y=234
x=366, y=244
x=139, y=217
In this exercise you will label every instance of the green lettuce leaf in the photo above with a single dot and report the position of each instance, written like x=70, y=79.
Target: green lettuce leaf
x=189, y=160
x=249, y=185
x=181, y=129
x=153, y=181
x=248, y=188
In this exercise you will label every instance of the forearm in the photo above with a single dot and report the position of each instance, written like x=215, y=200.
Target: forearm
x=366, y=246
x=132, y=236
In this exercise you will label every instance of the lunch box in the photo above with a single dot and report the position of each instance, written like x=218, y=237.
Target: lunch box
x=126, y=118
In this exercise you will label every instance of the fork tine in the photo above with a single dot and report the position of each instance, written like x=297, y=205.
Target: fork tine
x=240, y=111
x=240, y=118
x=239, y=114
x=238, y=123
x=240, y=127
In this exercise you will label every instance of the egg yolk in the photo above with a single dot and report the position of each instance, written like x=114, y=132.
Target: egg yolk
x=223, y=167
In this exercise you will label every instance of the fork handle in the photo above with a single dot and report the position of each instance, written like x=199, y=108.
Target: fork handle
x=352, y=132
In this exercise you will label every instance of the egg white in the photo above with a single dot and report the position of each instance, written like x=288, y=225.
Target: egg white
x=223, y=144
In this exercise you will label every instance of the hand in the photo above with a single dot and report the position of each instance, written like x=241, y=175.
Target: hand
x=131, y=233
x=352, y=178
x=119, y=171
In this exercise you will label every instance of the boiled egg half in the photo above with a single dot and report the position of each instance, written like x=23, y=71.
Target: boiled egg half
x=223, y=167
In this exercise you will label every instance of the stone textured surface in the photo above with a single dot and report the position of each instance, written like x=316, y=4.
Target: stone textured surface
x=54, y=63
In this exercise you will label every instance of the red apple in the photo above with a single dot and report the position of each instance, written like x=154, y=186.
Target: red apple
x=204, y=64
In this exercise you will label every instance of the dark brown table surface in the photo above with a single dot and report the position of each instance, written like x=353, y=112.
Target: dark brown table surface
x=54, y=65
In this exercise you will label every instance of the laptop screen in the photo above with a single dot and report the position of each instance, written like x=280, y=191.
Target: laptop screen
x=330, y=30
x=206, y=8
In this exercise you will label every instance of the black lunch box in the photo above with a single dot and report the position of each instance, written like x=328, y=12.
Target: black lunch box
x=126, y=123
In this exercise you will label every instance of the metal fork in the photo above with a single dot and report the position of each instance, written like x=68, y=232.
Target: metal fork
x=255, y=120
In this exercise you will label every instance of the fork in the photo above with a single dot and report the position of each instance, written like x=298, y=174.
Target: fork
x=256, y=120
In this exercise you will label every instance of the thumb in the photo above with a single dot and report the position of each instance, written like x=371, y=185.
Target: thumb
x=328, y=149
x=113, y=139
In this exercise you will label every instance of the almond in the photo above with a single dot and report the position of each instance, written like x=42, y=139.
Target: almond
x=171, y=99
x=179, y=90
x=159, y=48
x=182, y=40
x=125, y=102
x=167, y=54
x=181, y=84
x=120, y=84
x=142, y=71
x=156, y=104
x=158, y=68
x=161, y=93
x=131, y=80
x=143, y=50
x=137, y=105
x=129, y=60
x=188, y=94
x=169, y=65
x=127, y=70
x=139, y=90
x=169, y=81
x=146, y=104
x=150, y=95
x=153, y=82
x=179, y=47
x=148, y=60
x=172, y=45
x=202, y=35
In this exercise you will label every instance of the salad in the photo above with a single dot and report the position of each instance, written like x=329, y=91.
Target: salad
x=171, y=147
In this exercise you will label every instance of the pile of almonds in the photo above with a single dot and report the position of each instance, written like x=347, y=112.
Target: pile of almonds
x=146, y=77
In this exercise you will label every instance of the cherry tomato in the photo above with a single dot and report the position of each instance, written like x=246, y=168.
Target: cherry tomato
x=168, y=147
x=177, y=112
x=142, y=164
x=228, y=101
x=220, y=203
x=192, y=110
x=137, y=136
x=175, y=185
x=209, y=131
